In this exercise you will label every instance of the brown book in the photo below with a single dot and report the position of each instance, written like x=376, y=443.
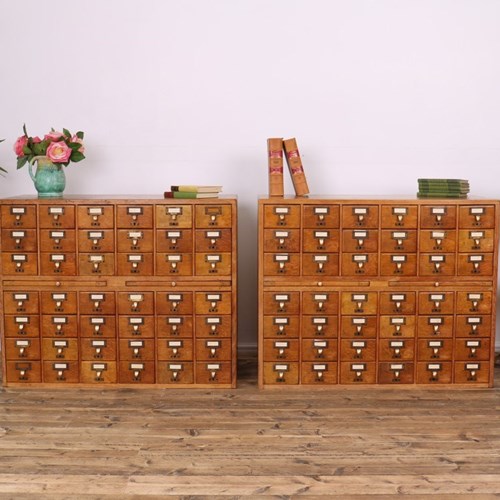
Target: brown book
x=275, y=163
x=296, y=168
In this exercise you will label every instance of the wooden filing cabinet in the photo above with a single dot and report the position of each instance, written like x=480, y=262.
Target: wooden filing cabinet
x=371, y=291
x=111, y=290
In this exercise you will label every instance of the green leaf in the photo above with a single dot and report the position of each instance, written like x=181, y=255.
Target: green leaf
x=79, y=134
x=39, y=148
x=66, y=132
x=3, y=169
x=75, y=146
x=21, y=161
x=24, y=130
x=27, y=150
x=76, y=156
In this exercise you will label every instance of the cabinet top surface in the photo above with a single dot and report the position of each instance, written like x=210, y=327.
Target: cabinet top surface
x=119, y=197
x=314, y=198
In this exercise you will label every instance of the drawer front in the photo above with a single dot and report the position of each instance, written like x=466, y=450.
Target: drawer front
x=22, y=325
x=134, y=216
x=393, y=327
x=434, y=372
x=137, y=349
x=435, y=326
x=436, y=302
x=99, y=264
x=213, y=303
x=358, y=372
x=282, y=216
x=213, y=349
x=359, y=264
x=97, y=303
x=281, y=240
x=27, y=372
x=399, y=216
x=281, y=264
x=174, y=303
x=135, y=302
x=20, y=302
x=281, y=326
x=136, y=372
x=360, y=240
x=174, y=240
x=19, y=240
x=401, y=264
x=213, y=240
x=397, y=302
x=359, y=303
x=438, y=240
x=435, y=349
x=324, y=264
x=61, y=372
x=213, y=264
x=321, y=240
x=58, y=264
x=318, y=216
x=358, y=349
x=470, y=372
x=174, y=326
x=59, y=302
x=358, y=326
x=96, y=216
x=477, y=264
x=213, y=326
x=476, y=240
x=281, y=373
x=320, y=302
x=136, y=326
x=18, y=216
x=473, y=349
x=437, y=264
x=98, y=326
x=173, y=372
x=58, y=240
x=477, y=325
x=397, y=349
x=217, y=372
x=60, y=325
x=98, y=349
x=478, y=216
x=319, y=349
x=281, y=303
x=55, y=349
x=20, y=264
x=320, y=326
x=396, y=373
x=319, y=373
x=438, y=216
x=135, y=240
x=400, y=241
x=22, y=349
x=178, y=264
x=93, y=372
x=474, y=302
x=96, y=240
x=281, y=350
x=135, y=264
x=174, y=216
x=213, y=216
x=359, y=216
x=57, y=216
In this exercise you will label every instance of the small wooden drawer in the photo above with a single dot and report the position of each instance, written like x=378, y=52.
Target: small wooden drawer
x=99, y=372
x=400, y=241
x=397, y=302
x=359, y=264
x=476, y=240
x=96, y=216
x=396, y=349
x=435, y=326
x=438, y=216
x=213, y=303
x=213, y=326
x=98, y=326
x=175, y=349
x=96, y=264
x=320, y=302
x=19, y=240
x=436, y=302
x=22, y=325
x=174, y=326
x=61, y=325
x=174, y=216
x=213, y=215
x=20, y=264
x=136, y=326
x=136, y=372
x=477, y=264
x=358, y=372
x=396, y=373
x=213, y=240
x=477, y=325
x=401, y=264
x=438, y=241
x=281, y=326
x=358, y=327
x=360, y=216
x=174, y=303
x=174, y=264
x=213, y=349
x=28, y=348
x=213, y=264
x=281, y=373
x=281, y=264
x=143, y=349
x=20, y=302
x=394, y=327
x=97, y=302
x=96, y=240
x=135, y=264
x=474, y=302
x=134, y=216
x=98, y=349
x=359, y=303
x=58, y=240
x=281, y=350
x=442, y=264
x=25, y=372
x=324, y=264
x=319, y=326
x=281, y=303
x=281, y=240
x=135, y=240
x=318, y=216
x=213, y=372
x=321, y=240
x=173, y=372
x=57, y=216
x=431, y=349
x=58, y=264
x=399, y=216
x=358, y=349
x=434, y=372
x=282, y=215
x=360, y=240
x=174, y=240
x=18, y=216
x=319, y=349
x=59, y=302
x=61, y=372
x=319, y=373
x=471, y=372
x=54, y=349
x=482, y=216
x=472, y=349
x=135, y=302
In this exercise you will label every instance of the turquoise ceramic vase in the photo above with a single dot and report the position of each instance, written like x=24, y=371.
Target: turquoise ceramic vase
x=49, y=178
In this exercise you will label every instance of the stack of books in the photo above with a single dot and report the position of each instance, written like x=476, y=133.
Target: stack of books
x=193, y=192
x=443, y=188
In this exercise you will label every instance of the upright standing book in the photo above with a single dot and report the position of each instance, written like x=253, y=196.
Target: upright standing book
x=275, y=163
x=296, y=168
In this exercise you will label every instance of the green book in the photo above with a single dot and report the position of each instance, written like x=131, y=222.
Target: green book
x=188, y=195
x=441, y=195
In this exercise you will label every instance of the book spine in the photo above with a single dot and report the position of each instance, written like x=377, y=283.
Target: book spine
x=190, y=189
x=295, y=167
x=275, y=166
x=180, y=194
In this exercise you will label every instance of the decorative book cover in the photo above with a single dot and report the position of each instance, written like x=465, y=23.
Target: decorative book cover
x=296, y=168
x=275, y=163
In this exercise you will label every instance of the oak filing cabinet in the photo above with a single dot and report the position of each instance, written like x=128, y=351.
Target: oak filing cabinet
x=372, y=291
x=109, y=290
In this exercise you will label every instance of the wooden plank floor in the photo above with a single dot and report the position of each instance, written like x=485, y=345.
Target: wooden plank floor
x=153, y=443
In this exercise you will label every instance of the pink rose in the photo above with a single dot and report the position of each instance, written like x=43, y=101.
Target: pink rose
x=53, y=136
x=19, y=145
x=75, y=138
x=59, y=152
x=36, y=140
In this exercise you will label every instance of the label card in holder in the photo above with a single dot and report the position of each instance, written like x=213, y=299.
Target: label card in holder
x=134, y=210
x=476, y=210
x=18, y=210
x=438, y=210
x=321, y=210
x=95, y=211
x=56, y=210
x=359, y=210
x=399, y=210
x=281, y=210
